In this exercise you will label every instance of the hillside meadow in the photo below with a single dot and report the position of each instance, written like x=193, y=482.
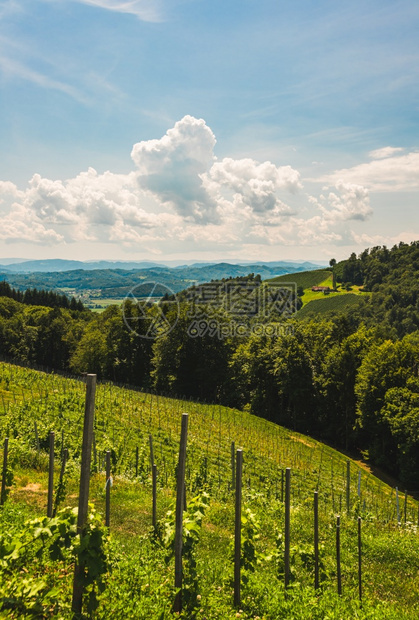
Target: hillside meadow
x=133, y=574
x=337, y=300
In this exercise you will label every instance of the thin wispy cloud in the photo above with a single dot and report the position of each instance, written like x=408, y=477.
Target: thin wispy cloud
x=146, y=10
x=386, y=151
x=20, y=62
x=8, y=7
x=14, y=69
x=394, y=173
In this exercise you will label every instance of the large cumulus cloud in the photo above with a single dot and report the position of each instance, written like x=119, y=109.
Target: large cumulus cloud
x=180, y=197
x=177, y=190
x=171, y=168
x=252, y=185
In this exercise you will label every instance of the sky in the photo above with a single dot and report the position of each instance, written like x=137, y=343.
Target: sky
x=207, y=129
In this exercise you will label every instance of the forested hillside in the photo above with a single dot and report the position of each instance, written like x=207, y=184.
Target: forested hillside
x=393, y=278
x=34, y=297
x=350, y=378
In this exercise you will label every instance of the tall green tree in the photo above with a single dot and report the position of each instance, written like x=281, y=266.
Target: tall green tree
x=337, y=379
x=332, y=264
x=388, y=372
x=187, y=361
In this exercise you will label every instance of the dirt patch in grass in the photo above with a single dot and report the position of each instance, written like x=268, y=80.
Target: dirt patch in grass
x=33, y=487
x=32, y=495
x=302, y=440
x=378, y=473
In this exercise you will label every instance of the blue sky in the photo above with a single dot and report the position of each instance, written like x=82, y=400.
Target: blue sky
x=207, y=129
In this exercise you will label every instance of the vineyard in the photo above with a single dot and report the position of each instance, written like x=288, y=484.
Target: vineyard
x=339, y=303
x=305, y=279
x=130, y=566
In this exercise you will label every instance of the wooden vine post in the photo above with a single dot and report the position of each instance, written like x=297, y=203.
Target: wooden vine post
x=150, y=441
x=316, y=540
x=359, y=560
x=38, y=448
x=237, y=528
x=64, y=459
x=51, y=475
x=287, y=525
x=233, y=464
x=338, y=570
x=282, y=486
x=108, y=489
x=180, y=496
x=348, y=485
x=4, y=474
x=154, y=481
x=86, y=457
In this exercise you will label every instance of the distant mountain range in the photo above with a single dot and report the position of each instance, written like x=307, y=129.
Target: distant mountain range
x=114, y=279
x=57, y=264
x=20, y=265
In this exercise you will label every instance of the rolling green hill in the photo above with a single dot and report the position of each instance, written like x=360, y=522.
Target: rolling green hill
x=338, y=300
x=315, y=302
x=329, y=304
x=305, y=279
x=140, y=581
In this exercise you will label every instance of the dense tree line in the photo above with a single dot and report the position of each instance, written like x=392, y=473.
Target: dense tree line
x=35, y=297
x=40, y=335
x=392, y=278
x=352, y=379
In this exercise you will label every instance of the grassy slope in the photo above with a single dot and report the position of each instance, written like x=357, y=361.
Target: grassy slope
x=330, y=303
x=124, y=420
x=306, y=279
x=334, y=301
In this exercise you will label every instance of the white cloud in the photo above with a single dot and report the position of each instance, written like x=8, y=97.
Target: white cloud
x=331, y=223
x=16, y=69
x=405, y=236
x=22, y=225
x=179, y=197
x=252, y=185
x=9, y=7
x=171, y=168
x=366, y=240
x=59, y=72
x=146, y=10
x=8, y=188
x=353, y=203
x=389, y=174
x=387, y=151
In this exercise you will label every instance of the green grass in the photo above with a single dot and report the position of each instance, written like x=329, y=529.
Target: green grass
x=99, y=304
x=141, y=582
